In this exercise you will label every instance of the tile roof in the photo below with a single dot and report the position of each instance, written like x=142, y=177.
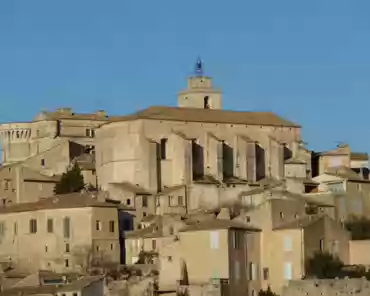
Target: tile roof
x=294, y=161
x=127, y=186
x=344, y=172
x=359, y=156
x=63, y=201
x=77, y=285
x=300, y=223
x=213, y=224
x=208, y=115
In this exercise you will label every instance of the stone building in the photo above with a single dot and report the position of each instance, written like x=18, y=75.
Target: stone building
x=61, y=233
x=21, y=140
x=196, y=155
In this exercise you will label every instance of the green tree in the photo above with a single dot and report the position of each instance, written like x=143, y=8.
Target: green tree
x=267, y=292
x=324, y=265
x=71, y=181
x=359, y=228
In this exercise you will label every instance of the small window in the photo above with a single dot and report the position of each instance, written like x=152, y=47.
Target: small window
x=265, y=273
x=67, y=248
x=214, y=237
x=75, y=294
x=169, y=258
x=97, y=248
x=33, y=226
x=171, y=231
x=154, y=244
x=43, y=162
x=46, y=248
x=144, y=214
x=90, y=133
x=2, y=229
x=98, y=225
x=145, y=201
x=111, y=247
x=322, y=245
x=67, y=227
x=50, y=226
x=111, y=226
x=248, y=218
x=163, y=148
x=281, y=215
x=206, y=102
x=288, y=244
x=180, y=200
x=128, y=201
x=15, y=228
x=66, y=263
x=252, y=271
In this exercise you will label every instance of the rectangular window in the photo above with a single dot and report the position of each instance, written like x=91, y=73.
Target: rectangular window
x=66, y=263
x=252, y=271
x=322, y=245
x=154, y=244
x=111, y=226
x=237, y=239
x=288, y=244
x=43, y=162
x=98, y=225
x=265, y=273
x=163, y=148
x=145, y=201
x=50, y=226
x=15, y=228
x=67, y=248
x=237, y=270
x=33, y=226
x=67, y=227
x=288, y=271
x=90, y=133
x=180, y=200
x=214, y=235
x=2, y=229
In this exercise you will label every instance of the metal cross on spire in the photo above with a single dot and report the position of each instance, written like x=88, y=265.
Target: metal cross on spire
x=199, y=67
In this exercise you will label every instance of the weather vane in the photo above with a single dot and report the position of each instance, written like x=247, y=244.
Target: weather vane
x=199, y=67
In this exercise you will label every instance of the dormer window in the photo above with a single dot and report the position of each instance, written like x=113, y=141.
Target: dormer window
x=206, y=102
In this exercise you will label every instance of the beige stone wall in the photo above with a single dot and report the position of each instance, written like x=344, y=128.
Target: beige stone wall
x=218, y=259
x=49, y=250
x=125, y=150
x=20, y=184
x=360, y=287
x=359, y=252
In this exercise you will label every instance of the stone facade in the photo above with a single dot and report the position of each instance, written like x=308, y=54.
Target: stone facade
x=335, y=287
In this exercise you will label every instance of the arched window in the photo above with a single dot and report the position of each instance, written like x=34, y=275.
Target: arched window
x=206, y=102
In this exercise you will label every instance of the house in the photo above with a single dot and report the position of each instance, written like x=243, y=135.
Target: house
x=291, y=233
x=61, y=233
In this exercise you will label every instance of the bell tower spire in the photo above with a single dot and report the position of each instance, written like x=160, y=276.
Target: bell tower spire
x=200, y=92
x=199, y=67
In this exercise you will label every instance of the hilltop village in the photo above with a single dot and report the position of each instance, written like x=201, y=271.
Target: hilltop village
x=186, y=200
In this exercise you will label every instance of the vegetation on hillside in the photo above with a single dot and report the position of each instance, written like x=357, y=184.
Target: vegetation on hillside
x=71, y=181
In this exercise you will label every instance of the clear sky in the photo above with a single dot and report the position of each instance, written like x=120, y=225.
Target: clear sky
x=306, y=60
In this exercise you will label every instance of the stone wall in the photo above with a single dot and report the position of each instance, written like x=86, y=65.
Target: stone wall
x=336, y=287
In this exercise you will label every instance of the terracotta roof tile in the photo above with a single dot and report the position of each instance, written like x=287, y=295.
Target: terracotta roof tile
x=214, y=224
x=63, y=201
x=208, y=115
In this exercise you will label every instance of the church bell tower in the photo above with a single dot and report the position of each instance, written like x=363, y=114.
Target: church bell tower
x=200, y=92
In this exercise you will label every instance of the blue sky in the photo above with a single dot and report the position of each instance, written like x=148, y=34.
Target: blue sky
x=306, y=60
